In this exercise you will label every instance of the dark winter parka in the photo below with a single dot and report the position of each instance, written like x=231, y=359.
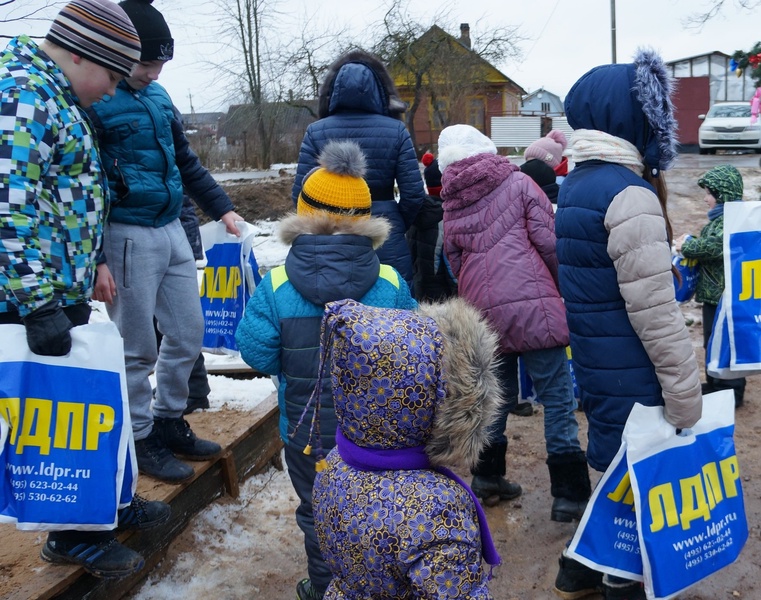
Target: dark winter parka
x=358, y=102
x=628, y=336
x=433, y=280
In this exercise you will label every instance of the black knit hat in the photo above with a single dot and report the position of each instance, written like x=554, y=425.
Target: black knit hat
x=539, y=171
x=432, y=177
x=155, y=37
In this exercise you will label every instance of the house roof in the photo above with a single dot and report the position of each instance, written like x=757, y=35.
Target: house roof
x=678, y=60
x=493, y=74
x=541, y=90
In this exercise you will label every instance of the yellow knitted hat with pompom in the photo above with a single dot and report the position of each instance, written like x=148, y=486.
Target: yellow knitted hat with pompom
x=337, y=186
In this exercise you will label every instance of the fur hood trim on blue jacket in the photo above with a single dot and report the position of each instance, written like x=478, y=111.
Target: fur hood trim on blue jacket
x=293, y=225
x=632, y=102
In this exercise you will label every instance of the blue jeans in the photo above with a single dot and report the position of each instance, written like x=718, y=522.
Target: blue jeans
x=552, y=380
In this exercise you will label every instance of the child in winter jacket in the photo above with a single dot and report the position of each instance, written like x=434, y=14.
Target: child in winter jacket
x=628, y=336
x=147, y=268
x=53, y=197
x=333, y=239
x=413, y=392
x=500, y=239
x=432, y=278
x=722, y=184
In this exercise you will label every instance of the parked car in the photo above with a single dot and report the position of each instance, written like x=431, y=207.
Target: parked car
x=727, y=125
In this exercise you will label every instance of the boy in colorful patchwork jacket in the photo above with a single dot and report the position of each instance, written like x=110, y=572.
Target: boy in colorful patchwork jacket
x=52, y=205
x=413, y=392
x=333, y=239
x=148, y=269
x=722, y=184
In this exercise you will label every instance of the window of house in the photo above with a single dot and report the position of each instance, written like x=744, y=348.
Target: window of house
x=440, y=117
x=545, y=107
x=476, y=113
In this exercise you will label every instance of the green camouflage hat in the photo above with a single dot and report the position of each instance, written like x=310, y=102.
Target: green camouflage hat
x=724, y=182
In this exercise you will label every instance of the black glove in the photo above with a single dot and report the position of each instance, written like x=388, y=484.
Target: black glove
x=47, y=330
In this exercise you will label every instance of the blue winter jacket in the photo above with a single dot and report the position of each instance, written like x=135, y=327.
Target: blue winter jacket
x=628, y=337
x=148, y=159
x=612, y=369
x=280, y=330
x=358, y=111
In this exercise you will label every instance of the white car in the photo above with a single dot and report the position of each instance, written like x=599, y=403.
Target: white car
x=727, y=125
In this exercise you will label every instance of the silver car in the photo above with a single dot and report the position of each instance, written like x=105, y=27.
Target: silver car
x=727, y=125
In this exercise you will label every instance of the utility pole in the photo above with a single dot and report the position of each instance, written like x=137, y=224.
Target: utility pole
x=190, y=98
x=613, y=30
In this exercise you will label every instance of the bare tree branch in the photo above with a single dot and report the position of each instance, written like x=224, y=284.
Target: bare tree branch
x=713, y=8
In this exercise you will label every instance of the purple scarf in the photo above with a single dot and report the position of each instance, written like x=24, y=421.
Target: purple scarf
x=410, y=459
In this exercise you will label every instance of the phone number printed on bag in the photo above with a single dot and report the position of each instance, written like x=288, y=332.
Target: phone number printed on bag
x=43, y=497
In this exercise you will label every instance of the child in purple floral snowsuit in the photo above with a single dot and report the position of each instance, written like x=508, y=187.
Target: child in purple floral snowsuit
x=411, y=393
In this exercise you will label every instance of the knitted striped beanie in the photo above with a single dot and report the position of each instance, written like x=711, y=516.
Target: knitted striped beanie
x=337, y=186
x=100, y=31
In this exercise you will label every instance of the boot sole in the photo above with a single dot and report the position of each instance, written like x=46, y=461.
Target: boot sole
x=196, y=457
x=63, y=559
x=563, y=517
x=490, y=500
x=164, y=478
x=578, y=594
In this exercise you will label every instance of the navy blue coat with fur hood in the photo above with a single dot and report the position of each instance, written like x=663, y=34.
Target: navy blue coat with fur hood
x=358, y=102
x=628, y=337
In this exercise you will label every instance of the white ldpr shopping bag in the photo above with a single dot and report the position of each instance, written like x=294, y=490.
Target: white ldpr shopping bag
x=688, y=495
x=67, y=452
x=229, y=278
x=742, y=292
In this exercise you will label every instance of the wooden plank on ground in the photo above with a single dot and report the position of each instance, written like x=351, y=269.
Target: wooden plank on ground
x=250, y=442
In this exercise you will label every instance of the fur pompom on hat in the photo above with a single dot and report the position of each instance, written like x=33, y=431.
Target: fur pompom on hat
x=100, y=31
x=548, y=149
x=427, y=159
x=337, y=186
x=461, y=141
x=155, y=37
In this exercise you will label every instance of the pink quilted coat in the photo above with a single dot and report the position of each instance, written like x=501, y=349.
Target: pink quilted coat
x=499, y=237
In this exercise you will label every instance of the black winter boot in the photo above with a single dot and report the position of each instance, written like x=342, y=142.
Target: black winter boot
x=181, y=440
x=97, y=552
x=569, y=486
x=155, y=459
x=575, y=580
x=143, y=514
x=195, y=404
x=489, y=482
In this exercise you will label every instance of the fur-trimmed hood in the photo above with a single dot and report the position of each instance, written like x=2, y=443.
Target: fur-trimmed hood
x=293, y=225
x=359, y=81
x=630, y=101
x=403, y=379
x=473, y=393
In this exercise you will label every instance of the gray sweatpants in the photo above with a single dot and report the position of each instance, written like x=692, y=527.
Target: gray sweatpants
x=155, y=275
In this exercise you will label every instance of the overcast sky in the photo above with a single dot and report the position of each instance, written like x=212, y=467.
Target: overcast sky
x=564, y=38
